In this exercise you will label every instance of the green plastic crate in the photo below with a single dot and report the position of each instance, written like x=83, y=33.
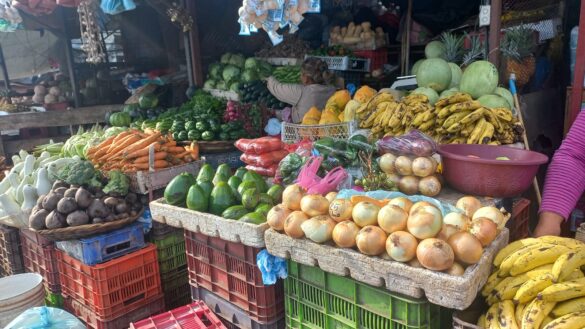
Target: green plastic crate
x=53, y=300
x=171, y=252
x=176, y=288
x=317, y=299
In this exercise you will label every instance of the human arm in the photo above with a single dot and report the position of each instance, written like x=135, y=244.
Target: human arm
x=285, y=92
x=565, y=181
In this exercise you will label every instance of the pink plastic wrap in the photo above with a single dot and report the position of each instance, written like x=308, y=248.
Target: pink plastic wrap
x=310, y=181
x=259, y=145
x=414, y=143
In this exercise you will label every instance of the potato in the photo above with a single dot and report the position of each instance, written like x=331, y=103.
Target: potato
x=66, y=206
x=78, y=217
x=97, y=209
x=131, y=197
x=122, y=207
x=111, y=202
x=40, y=200
x=70, y=192
x=110, y=218
x=99, y=194
x=50, y=201
x=55, y=220
x=83, y=198
x=98, y=220
x=57, y=184
x=37, y=220
x=60, y=190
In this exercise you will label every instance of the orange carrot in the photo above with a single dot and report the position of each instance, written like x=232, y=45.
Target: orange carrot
x=174, y=149
x=122, y=146
x=169, y=144
x=157, y=156
x=144, y=151
x=157, y=165
x=182, y=155
x=140, y=144
x=194, y=149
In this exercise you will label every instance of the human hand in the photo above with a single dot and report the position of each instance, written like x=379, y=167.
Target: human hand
x=548, y=224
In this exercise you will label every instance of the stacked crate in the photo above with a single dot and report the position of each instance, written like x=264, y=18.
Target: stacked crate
x=192, y=316
x=11, y=261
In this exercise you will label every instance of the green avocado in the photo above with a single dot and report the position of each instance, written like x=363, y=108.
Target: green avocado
x=234, y=212
x=240, y=172
x=253, y=218
x=275, y=193
x=176, y=192
x=261, y=185
x=219, y=177
x=246, y=185
x=207, y=187
x=267, y=199
x=250, y=198
x=206, y=173
x=221, y=198
x=263, y=208
x=224, y=169
x=197, y=199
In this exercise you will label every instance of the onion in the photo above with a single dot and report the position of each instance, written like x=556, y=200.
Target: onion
x=318, y=229
x=331, y=196
x=447, y=231
x=403, y=165
x=415, y=263
x=435, y=254
x=429, y=186
x=423, y=166
x=291, y=197
x=292, y=224
x=340, y=209
x=392, y=218
x=425, y=222
x=344, y=234
x=408, y=185
x=394, y=178
x=469, y=205
x=314, y=205
x=484, y=230
x=276, y=217
x=456, y=270
x=466, y=247
x=491, y=213
x=371, y=240
x=365, y=213
x=386, y=163
x=401, y=246
x=458, y=220
x=419, y=204
x=402, y=202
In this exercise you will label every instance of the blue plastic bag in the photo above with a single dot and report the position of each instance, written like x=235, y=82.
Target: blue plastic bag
x=114, y=7
x=271, y=267
x=45, y=318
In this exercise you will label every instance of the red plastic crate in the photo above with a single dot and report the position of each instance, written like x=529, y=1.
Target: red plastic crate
x=114, y=287
x=36, y=238
x=85, y=314
x=520, y=220
x=229, y=270
x=193, y=316
x=377, y=57
x=11, y=261
x=41, y=259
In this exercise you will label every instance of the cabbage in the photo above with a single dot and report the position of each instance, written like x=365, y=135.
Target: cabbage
x=209, y=84
x=251, y=63
x=221, y=85
x=215, y=71
x=230, y=72
x=225, y=58
x=237, y=60
x=249, y=75
x=235, y=87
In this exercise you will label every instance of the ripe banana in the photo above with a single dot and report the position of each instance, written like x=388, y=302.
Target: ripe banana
x=546, y=321
x=565, y=264
x=487, y=133
x=427, y=125
x=506, y=290
x=512, y=247
x=570, y=321
x=473, y=116
x=509, y=261
x=537, y=257
x=493, y=119
x=480, y=127
x=503, y=114
x=563, y=291
x=571, y=243
x=530, y=289
x=519, y=312
x=506, y=318
x=569, y=306
x=535, y=313
x=481, y=321
x=418, y=119
x=455, y=98
x=491, y=317
x=397, y=115
x=492, y=281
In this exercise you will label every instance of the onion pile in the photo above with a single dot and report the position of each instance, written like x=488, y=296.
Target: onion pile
x=412, y=174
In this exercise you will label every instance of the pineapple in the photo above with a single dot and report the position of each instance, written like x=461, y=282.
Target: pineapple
x=517, y=47
x=453, y=47
x=476, y=52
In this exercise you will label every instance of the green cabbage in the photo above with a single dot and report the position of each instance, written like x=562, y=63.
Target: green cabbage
x=249, y=75
x=225, y=58
x=235, y=86
x=221, y=85
x=230, y=72
x=237, y=60
x=209, y=84
x=215, y=71
x=251, y=63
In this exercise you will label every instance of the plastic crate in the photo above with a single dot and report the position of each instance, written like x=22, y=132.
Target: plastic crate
x=317, y=299
x=176, y=288
x=36, y=238
x=171, y=252
x=42, y=259
x=345, y=63
x=160, y=230
x=193, y=316
x=101, y=248
x=53, y=299
x=377, y=57
x=229, y=270
x=520, y=220
x=93, y=321
x=11, y=261
x=231, y=158
x=293, y=133
x=112, y=288
x=231, y=315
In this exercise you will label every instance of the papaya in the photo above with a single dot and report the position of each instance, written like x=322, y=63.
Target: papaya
x=207, y=187
x=312, y=116
x=219, y=177
x=364, y=94
x=176, y=192
x=263, y=208
x=253, y=218
x=221, y=198
x=240, y=172
x=275, y=193
x=250, y=198
x=338, y=100
x=224, y=169
x=206, y=173
x=265, y=198
x=234, y=212
x=234, y=182
x=197, y=199
x=261, y=185
x=245, y=186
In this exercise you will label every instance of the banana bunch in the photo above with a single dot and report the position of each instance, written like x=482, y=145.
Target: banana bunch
x=5, y=106
x=537, y=284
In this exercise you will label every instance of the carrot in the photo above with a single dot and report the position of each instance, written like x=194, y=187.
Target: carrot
x=140, y=144
x=157, y=156
x=182, y=155
x=122, y=146
x=157, y=165
x=194, y=149
x=174, y=149
x=144, y=151
x=169, y=144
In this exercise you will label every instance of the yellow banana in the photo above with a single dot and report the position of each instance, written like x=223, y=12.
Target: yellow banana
x=559, y=292
x=503, y=114
x=535, y=313
x=458, y=140
x=443, y=113
x=464, y=106
x=455, y=98
x=477, y=131
x=487, y=134
x=569, y=306
x=546, y=321
x=570, y=321
x=418, y=119
x=506, y=319
x=512, y=247
x=397, y=116
x=491, y=317
x=492, y=281
x=415, y=99
x=481, y=321
x=495, y=143
x=466, y=130
x=427, y=125
x=506, y=290
x=571, y=243
x=429, y=115
x=519, y=312
x=493, y=119
x=565, y=264
x=530, y=289
x=474, y=116
x=537, y=257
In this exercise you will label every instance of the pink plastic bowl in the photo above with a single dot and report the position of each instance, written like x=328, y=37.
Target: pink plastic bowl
x=486, y=176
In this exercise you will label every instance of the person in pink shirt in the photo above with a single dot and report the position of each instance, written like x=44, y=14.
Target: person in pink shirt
x=565, y=181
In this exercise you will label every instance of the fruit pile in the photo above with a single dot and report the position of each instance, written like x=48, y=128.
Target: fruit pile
x=537, y=283
x=412, y=175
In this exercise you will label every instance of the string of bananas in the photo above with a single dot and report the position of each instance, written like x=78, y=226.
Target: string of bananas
x=537, y=284
x=5, y=106
x=457, y=119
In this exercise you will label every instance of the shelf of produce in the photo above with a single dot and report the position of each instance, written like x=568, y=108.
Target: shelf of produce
x=248, y=234
x=224, y=94
x=345, y=63
x=439, y=288
x=144, y=182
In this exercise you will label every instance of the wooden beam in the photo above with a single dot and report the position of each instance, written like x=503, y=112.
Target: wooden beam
x=494, y=33
x=576, y=93
x=78, y=116
x=195, y=48
x=12, y=147
x=66, y=39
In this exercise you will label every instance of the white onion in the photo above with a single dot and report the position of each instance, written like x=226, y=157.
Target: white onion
x=344, y=234
x=491, y=213
x=458, y=220
x=314, y=205
x=292, y=224
x=447, y=231
x=392, y=218
x=401, y=246
x=276, y=217
x=466, y=247
x=365, y=213
x=429, y=186
x=403, y=165
x=484, y=230
x=331, y=196
x=419, y=204
x=469, y=205
x=435, y=254
x=456, y=270
x=291, y=197
x=408, y=185
x=340, y=210
x=371, y=240
x=402, y=202
x=425, y=222
x=386, y=163
x=423, y=166
x=318, y=229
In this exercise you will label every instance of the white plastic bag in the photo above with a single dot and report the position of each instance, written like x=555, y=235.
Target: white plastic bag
x=45, y=318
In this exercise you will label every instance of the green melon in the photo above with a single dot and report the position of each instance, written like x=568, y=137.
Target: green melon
x=429, y=92
x=480, y=78
x=447, y=93
x=434, y=73
x=416, y=66
x=455, y=75
x=435, y=49
x=493, y=101
x=506, y=94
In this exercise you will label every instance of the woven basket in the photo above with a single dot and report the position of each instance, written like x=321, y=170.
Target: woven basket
x=83, y=231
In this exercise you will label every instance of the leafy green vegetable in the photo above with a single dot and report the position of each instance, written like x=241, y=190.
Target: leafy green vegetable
x=80, y=172
x=118, y=184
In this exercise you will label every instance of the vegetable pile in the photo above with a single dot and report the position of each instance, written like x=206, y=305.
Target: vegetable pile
x=257, y=92
x=291, y=47
x=287, y=74
x=233, y=70
x=360, y=36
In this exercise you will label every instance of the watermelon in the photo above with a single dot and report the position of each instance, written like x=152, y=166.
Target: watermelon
x=416, y=66
x=506, y=94
x=434, y=73
x=493, y=101
x=435, y=49
x=429, y=92
x=480, y=78
x=455, y=75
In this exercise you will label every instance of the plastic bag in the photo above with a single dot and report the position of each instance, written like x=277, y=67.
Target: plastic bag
x=289, y=167
x=265, y=159
x=259, y=145
x=329, y=183
x=45, y=318
x=264, y=171
x=308, y=174
x=414, y=143
x=303, y=148
x=271, y=267
x=114, y=7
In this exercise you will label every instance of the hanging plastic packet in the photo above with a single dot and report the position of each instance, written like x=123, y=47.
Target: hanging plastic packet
x=276, y=14
x=253, y=28
x=244, y=28
x=293, y=28
x=275, y=38
x=314, y=6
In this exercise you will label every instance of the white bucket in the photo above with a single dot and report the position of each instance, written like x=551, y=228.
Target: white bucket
x=18, y=293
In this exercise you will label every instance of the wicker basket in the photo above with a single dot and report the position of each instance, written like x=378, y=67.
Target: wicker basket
x=293, y=133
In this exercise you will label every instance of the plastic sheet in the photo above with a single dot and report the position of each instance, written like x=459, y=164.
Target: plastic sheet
x=414, y=143
x=45, y=318
x=271, y=267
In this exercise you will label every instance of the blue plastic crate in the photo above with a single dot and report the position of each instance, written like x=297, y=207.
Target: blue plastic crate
x=103, y=247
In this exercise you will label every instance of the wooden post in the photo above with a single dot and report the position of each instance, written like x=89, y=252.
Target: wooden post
x=70, y=61
x=194, y=46
x=5, y=75
x=577, y=90
x=495, y=31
